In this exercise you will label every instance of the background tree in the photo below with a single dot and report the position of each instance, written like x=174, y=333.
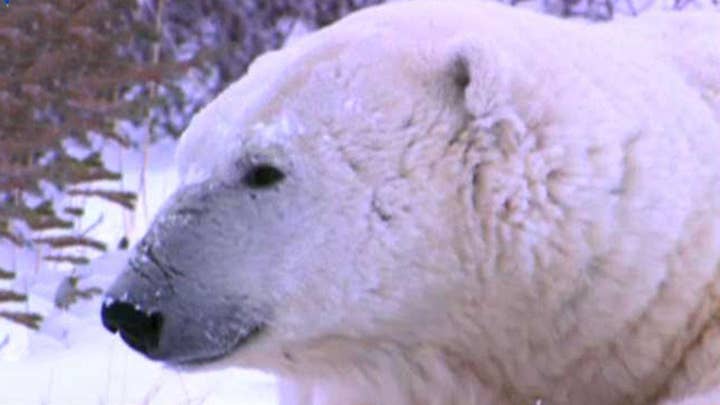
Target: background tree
x=66, y=71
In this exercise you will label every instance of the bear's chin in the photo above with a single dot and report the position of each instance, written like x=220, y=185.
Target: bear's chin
x=218, y=359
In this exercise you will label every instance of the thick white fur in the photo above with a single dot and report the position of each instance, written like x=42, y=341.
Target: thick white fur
x=548, y=231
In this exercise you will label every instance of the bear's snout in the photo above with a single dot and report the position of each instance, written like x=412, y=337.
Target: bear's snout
x=139, y=329
x=179, y=322
x=154, y=320
x=165, y=304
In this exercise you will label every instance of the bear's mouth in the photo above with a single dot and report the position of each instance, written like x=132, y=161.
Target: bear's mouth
x=200, y=360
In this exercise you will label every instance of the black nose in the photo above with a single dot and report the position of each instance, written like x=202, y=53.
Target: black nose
x=140, y=330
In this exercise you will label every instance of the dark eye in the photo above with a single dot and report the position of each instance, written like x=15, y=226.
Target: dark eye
x=263, y=176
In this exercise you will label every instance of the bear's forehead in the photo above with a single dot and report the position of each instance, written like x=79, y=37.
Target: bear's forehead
x=238, y=118
x=271, y=104
x=221, y=142
x=373, y=50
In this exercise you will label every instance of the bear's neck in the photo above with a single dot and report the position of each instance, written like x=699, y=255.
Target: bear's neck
x=389, y=375
x=365, y=373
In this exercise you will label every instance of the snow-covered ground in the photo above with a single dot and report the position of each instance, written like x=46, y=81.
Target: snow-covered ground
x=73, y=360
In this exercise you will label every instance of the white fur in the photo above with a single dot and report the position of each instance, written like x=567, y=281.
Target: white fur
x=551, y=232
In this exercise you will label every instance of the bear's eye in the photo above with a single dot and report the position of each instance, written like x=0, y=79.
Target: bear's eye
x=263, y=176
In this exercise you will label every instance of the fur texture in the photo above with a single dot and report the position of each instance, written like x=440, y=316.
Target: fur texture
x=482, y=205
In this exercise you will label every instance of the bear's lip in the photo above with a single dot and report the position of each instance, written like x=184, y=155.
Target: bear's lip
x=198, y=361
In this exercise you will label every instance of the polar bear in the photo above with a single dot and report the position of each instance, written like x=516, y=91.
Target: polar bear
x=450, y=203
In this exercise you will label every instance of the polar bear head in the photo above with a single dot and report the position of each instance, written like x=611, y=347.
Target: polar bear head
x=324, y=194
x=433, y=175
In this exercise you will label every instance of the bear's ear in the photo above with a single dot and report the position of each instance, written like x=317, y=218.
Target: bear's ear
x=482, y=82
x=460, y=73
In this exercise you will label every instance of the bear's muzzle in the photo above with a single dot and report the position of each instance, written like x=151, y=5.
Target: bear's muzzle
x=169, y=316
